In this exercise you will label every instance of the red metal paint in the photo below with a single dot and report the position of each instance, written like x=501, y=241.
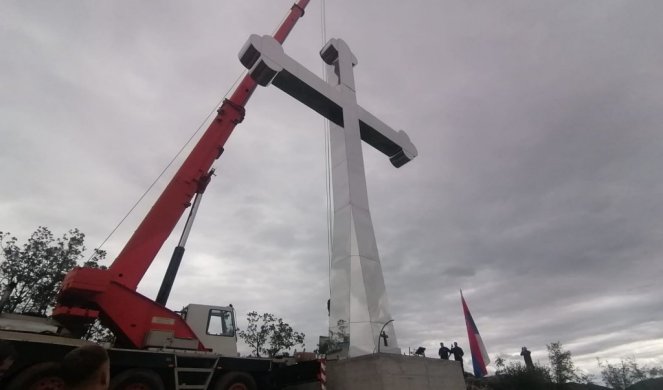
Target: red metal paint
x=111, y=294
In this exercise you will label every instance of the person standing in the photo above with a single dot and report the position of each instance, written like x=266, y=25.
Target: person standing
x=527, y=355
x=458, y=355
x=444, y=352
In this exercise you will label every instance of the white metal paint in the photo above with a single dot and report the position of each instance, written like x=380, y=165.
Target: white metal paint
x=359, y=307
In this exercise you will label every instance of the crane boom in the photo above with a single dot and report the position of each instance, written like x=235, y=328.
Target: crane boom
x=133, y=261
x=111, y=295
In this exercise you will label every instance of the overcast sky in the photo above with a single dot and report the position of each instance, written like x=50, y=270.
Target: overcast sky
x=538, y=188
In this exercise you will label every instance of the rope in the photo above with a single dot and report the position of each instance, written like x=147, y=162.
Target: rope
x=163, y=171
x=328, y=179
x=327, y=155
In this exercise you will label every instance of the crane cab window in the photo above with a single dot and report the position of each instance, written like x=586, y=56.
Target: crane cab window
x=220, y=323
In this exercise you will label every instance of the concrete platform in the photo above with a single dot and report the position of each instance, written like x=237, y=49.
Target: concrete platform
x=394, y=372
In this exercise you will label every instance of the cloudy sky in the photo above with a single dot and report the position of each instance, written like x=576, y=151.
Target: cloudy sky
x=538, y=188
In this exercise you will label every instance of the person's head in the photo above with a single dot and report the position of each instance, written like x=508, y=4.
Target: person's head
x=441, y=344
x=86, y=368
x=7, y=356
x=455, y=344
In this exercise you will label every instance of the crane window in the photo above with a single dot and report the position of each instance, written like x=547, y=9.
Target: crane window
x=220, y=323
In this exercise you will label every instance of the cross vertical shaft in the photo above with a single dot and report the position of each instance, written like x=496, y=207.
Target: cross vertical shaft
x=358, y=302
x=359, y=309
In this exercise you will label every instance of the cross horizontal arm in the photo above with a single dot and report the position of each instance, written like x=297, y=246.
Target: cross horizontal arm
x=322, y=100
x=395, y=144
x=267, y=63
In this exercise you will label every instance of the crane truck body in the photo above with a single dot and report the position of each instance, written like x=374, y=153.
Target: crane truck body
x=155, y=348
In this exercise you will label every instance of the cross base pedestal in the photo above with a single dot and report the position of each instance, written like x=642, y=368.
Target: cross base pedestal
x=394, y=372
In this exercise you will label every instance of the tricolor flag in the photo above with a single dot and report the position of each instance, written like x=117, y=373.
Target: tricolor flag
x=479, y=355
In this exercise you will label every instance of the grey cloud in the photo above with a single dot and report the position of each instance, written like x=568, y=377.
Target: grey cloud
x=537, y=189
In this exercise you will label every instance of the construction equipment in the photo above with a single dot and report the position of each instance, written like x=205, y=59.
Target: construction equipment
x=155, y=347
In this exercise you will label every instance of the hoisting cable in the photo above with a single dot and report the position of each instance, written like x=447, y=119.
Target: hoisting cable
x=328, y=183
x=170, y=163
x=232, y=87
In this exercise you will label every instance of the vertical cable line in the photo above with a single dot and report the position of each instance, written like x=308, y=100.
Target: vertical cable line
x=327, y=135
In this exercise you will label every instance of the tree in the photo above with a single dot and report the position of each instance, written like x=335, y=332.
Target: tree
x=257, y=331
x=500, y=363
x=518, y=376
x=655, y=372
x=98, y=333
x=562, y=367
x=283, y=337
x=626, y=373
x=269, y=335
x=585, y=378
x=35, y=271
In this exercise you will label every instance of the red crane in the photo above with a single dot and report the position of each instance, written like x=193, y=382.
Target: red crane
x=110, y=294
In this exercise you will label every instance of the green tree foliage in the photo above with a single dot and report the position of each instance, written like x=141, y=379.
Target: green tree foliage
x=585, y=378
x=626, y=373
x=562, y=368
x=269, y=335
x=257, y=331
x=283, y=337
x=500, y=363
x=35, y=271
x=516, y=376
x=98, y=333
x=655, y=372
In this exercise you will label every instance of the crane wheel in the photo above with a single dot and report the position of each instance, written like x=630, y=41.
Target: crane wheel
x=236, y=381
x=136, y=379
x=42, y=376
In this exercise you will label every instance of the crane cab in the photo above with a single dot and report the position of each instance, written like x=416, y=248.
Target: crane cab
x=214, y=326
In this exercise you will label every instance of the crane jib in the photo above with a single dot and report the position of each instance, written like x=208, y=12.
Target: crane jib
x=110, y=294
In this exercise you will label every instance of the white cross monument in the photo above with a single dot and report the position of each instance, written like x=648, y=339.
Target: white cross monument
x=359, y=309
